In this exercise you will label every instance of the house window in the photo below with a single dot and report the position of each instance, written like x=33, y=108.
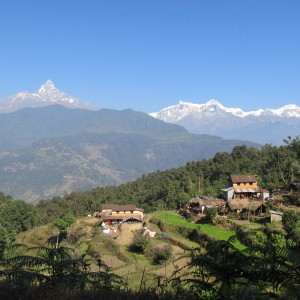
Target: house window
x=250, y=183
x=238, y=183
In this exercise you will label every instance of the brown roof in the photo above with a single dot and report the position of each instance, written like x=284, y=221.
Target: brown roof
x=119, y=217
x=246, y=204
x=207, y=201
x=116, y=207
x=243, y=178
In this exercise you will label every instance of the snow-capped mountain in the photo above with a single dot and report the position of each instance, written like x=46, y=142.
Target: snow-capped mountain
x=47, y=94
x=262, y=125
x=182, y=109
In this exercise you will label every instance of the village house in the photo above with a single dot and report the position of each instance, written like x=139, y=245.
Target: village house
x=200, y=204
x=120, y=213
x=244, y=187
x=246, y=205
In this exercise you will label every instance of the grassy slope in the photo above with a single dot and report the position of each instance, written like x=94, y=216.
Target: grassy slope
x=87, y=238
x=217, y=233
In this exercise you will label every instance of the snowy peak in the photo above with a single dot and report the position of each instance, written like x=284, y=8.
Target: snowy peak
x=47, y=87
x=183, y=109
x=214, y=108
x=47, y=94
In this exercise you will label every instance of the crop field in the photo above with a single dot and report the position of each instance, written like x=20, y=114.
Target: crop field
x=215, y=232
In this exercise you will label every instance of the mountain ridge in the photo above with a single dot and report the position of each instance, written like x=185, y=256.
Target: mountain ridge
x=233, y=123
x=52, y=151
x=183, y=108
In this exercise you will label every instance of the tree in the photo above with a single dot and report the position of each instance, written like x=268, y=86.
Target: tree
x=62, y=225
x=289, y=221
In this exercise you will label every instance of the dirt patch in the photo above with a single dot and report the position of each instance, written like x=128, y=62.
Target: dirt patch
x=126, y=233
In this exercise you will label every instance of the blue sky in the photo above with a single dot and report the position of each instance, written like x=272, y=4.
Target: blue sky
x=149, y=54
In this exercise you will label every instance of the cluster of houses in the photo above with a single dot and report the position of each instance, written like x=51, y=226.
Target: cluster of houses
x=243, y=195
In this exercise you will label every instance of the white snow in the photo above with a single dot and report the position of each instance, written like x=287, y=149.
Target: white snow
x=182, y=109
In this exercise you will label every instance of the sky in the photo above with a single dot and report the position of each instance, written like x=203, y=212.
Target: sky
x=149, y=54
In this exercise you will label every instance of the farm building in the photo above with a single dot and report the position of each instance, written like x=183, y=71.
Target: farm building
x=240, y=205
x=244, y=187
x=200, y=204
x=120, y=213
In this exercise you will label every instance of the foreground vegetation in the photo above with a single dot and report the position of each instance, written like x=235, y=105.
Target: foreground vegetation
x=268, y=268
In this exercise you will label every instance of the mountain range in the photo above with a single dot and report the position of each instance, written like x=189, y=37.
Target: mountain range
x=53, y=144
x=51, y=151
x=264, y=126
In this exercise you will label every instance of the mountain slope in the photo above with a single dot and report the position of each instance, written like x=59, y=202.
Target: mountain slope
x=261, y=126
x=54, y=150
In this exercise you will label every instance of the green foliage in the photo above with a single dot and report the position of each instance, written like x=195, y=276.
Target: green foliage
x=160, y=254
x=262, y=271
x=211, y=214
x=4, y=240
x=54, y=268
x=139, y=244
x=16, y=216
x=289, y=221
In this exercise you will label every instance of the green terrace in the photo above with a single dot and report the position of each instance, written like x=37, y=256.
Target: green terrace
x=173, y=219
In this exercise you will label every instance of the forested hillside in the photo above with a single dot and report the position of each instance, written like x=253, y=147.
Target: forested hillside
x=275, y=167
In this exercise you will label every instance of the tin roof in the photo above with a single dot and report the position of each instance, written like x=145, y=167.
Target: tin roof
x=116, y=207
x=243, y=178
x=207, y=201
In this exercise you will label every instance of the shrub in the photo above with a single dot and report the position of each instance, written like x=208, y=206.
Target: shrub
x=160, y=254
x=199, y=237
x=289, y=221
x=186, y=214
x=211, y=214
x=139, y=244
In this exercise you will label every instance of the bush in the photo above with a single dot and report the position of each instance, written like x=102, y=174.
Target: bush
x=289, y=221
x=160, y=254
x=139, y=244
x=211, y=214
x=186, y=214
x=293, y=199
x=199, y=237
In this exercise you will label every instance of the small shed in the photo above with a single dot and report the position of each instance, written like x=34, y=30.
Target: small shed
x=228, y=193
x=276, y=216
